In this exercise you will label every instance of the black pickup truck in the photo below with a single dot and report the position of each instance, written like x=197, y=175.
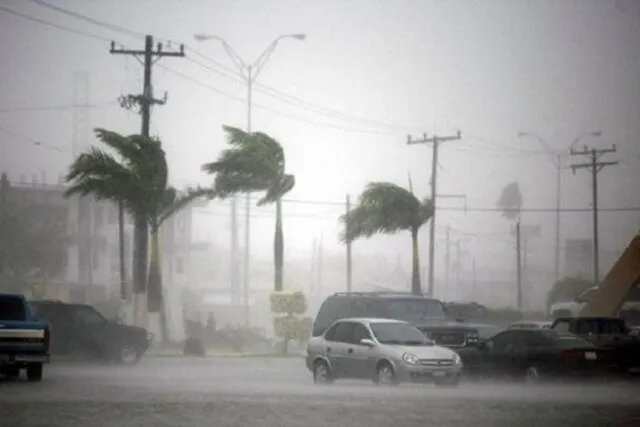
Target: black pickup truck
x=24, y=340
x=605, y=332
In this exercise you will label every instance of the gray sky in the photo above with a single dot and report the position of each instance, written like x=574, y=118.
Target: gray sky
x=385, y=69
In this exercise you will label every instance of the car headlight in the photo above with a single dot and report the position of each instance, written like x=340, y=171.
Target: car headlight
x=456, y=359
x=410, y=359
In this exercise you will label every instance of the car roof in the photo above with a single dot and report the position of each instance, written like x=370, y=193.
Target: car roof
x=382, y=294
x=371, y=320
x=531, y=322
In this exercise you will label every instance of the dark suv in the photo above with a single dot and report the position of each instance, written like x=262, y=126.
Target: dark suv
x=81, y=330
x=427, y=314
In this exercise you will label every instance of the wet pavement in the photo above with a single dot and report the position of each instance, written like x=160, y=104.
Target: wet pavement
x=279, y=393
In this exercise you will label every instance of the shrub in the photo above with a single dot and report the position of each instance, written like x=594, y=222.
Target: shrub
x=289, y=322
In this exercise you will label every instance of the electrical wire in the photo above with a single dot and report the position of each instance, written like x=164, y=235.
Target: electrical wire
x=53, y=25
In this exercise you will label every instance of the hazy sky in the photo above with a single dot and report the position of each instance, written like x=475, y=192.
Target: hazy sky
x=369, y=73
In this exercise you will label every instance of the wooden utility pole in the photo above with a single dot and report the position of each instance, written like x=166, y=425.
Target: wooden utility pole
x=447, y=257
x=518, y=267
x=144, y=101
x=435, y=141
x=594, y=166
x=349, y=265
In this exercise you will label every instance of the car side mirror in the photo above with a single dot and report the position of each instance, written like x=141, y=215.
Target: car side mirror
x=367, y=342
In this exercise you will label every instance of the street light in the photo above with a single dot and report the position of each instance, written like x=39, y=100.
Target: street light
x=557, y=158
x=249, y=73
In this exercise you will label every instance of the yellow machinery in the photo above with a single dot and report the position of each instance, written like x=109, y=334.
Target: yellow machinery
x=617, y=285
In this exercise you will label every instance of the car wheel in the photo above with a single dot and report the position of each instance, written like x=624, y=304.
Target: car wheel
x=322, y=373
x=532, y=375
x=450, y=381
x=386, y=375
x=128, y=355
x=11, y=372
x=34, y=372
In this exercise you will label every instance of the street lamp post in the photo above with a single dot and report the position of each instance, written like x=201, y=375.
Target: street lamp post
x=249, y=73
x=558, y=158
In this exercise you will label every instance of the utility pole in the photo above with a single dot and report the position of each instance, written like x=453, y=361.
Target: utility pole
x=459, y=265
x=435, y=141
x=474, y=289
x=518, y=267
x=144, y=101
x=447, y=257
x=594, y=166
x=233, y=265
x=349, y=269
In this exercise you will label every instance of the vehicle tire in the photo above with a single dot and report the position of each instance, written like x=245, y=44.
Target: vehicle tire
x=386, y=375
x=128, y=355
x=532, y=375
x=451, y=381
x=34, y=372
x=11, y=372
x=322, y=373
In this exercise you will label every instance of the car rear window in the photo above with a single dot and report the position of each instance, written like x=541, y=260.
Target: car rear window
x=12, y=308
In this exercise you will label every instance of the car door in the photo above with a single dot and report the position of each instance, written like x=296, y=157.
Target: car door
x=89, y=329
x=338, y=343
x=503, y=359
x=360, y=358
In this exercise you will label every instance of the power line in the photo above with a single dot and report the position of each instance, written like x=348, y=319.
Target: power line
x=85, y=18
x=272, y=110
x=55, y=107
x=51, y=24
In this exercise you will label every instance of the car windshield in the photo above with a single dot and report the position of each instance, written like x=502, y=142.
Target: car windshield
x=12, y=308
x=399, y=334
x=414, y=309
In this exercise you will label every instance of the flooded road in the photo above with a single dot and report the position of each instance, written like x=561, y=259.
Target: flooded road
x=280, y=393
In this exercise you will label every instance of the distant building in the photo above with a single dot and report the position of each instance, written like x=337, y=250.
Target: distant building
x=93, y=263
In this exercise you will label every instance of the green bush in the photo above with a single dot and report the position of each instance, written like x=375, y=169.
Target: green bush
x=288, y=302
x=289, y=323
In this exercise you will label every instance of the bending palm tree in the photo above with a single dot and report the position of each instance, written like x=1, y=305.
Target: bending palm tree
x=138, y=180
x=255, y=162
x=387, y=208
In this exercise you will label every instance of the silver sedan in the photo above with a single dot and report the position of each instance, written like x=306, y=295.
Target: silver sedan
x=383, y=350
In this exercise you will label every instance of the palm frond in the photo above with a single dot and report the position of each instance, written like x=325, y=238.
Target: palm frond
x=237, y=137
x=278, y=189
x=175, y=201
x=384, y=207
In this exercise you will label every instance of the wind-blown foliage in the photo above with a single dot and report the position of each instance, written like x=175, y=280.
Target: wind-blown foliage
x=254, y=162
x=387, y=208
x=510, y=201
x=136, y=174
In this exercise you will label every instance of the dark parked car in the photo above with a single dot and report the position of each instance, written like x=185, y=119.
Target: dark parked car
x=81, y=330
x=427, y=314
x=536, y=354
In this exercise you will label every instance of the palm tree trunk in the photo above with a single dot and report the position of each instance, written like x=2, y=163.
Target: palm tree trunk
x=140, y=263
x=415, y=265
x=278, y=248
x=155, y=300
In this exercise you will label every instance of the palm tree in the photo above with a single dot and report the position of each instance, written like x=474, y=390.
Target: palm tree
x=137, y=178
x=255, y=162
x=384, y=207
x=169, y=202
